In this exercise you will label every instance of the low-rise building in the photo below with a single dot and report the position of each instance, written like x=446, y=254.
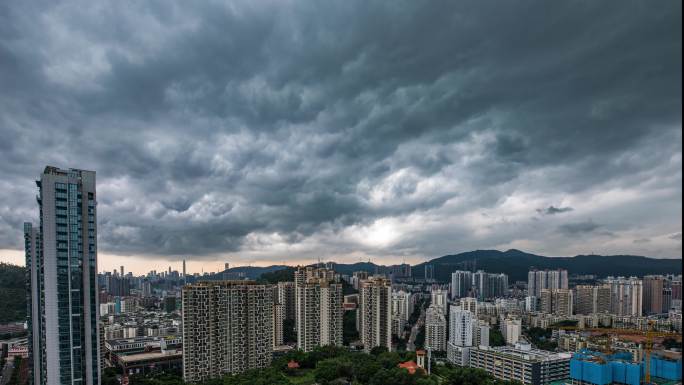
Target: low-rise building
x=521, y=363
x=146, y=362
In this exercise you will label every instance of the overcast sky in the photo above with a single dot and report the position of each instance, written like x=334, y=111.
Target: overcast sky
x=280, y=131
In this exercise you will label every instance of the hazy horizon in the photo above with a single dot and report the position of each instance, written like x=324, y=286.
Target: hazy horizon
x=140, y=266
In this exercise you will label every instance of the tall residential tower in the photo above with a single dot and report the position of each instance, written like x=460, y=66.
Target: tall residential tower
x=227, y=328
x=375, y=313
x=63, y=280
x=319, y=313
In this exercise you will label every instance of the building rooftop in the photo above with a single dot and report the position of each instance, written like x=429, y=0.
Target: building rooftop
x=151, y=356
x=527, y=353
x=411, y=366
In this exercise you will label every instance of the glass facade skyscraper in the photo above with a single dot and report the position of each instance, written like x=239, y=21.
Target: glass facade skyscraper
x=63, y=280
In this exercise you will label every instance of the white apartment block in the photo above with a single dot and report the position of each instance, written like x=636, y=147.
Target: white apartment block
x=530, y=303
x=402, y=304
x=227, y=328
x=470, y=304
x=537, y=280
x=435, y=329
x=440, y=299
x=625, y=295
x=461, y=326
x=375, y=313
x=512, y=329
x=319, y=312
x=480, y=333
x=460, y=335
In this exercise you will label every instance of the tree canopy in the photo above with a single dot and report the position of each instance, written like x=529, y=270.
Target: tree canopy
x=335, y=365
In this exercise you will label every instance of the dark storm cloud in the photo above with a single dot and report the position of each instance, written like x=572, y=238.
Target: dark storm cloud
x=212, y=124
x=551, y=210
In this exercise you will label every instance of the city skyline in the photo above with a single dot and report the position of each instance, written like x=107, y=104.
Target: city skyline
x=311, y=193
x=453, y=130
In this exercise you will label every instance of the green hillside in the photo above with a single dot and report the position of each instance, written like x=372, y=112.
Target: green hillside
x=12, y=293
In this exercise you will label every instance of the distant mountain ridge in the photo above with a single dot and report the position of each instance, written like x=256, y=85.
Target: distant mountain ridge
x=513, y=262
x=517, y=263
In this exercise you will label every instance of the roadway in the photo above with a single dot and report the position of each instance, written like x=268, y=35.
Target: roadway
x=410, y=346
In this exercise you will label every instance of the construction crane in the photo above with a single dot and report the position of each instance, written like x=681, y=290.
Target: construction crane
x=648, y=348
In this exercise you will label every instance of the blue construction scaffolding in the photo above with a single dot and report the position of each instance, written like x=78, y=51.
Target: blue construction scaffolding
x=596, y=368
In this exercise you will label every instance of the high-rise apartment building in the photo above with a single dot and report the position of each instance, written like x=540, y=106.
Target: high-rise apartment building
x=537, y=280
x=563, y=302
x=470, y=304
x=601, y=299
x=625, y=296
x=461, y=326
x=62, y=280
x=435, y=329
x=287, y=296
x=676, y=285
x=652, y=292
x=375, y=309
x=319, y=311
x=400, y=271
x=461, y=283
x=402, y=304
x=33, y=303
x=357, y=277
x=546, y=301
x=461, y=323
x=480, y=333
x=227, y=328
x=667, y=299
x=278, y=318
x=557, y=301
x=398, y=325
x=429, y=273
x=511, y=330
x=439, y=298
x=591, y=299
x=303, y=274
x=486, y=285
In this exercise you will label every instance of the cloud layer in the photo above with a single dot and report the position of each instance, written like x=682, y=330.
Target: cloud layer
x=282, y=130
